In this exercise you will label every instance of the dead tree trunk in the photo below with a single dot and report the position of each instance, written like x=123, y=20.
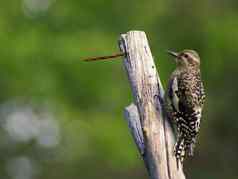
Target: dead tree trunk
x=150, y=129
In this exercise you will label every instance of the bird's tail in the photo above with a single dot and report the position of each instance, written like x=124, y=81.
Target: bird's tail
x=189, y=146
x=179, y=151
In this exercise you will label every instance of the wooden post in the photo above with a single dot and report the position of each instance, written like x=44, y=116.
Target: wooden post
x=150, y=129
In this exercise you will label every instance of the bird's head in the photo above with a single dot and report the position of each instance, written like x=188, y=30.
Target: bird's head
x=186, y=58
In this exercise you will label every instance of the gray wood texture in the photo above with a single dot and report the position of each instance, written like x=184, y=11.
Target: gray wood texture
x=150, y=129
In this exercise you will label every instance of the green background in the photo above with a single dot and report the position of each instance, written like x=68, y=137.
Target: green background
x=42, y=43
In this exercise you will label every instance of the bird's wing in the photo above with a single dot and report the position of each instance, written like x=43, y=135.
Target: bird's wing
x=186, y=96
x=190, y=90
x=191, y=97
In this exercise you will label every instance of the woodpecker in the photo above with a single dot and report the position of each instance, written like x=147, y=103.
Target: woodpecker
x=184, y=101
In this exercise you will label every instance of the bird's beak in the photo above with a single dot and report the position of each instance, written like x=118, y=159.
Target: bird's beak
x=174, y=54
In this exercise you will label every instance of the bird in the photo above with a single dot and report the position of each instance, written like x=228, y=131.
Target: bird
x=184, y=101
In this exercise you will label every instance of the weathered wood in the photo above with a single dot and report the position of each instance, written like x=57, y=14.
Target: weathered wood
x=134, y=124
x=154, y=136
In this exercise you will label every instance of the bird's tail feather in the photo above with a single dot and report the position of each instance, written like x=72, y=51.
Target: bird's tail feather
x=179, y=151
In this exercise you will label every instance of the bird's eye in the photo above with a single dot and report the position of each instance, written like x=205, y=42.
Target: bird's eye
x=186, y=55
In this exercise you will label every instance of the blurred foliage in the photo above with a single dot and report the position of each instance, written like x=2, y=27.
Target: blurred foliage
x=42, y=42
